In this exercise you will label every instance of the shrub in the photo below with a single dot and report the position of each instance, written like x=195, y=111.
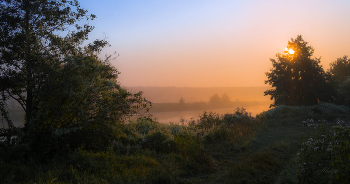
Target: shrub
x=240, y=115
x=219, y=133
x=321, y=110
x=208, y=121
x=324, y=157
x=159, y=142
x=144, y=125
x=341, y=153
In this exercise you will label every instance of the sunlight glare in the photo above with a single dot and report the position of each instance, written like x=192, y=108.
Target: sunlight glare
x=290, y=51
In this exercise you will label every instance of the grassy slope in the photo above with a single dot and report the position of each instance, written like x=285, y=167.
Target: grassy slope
x=263, y=159
x=270, y=153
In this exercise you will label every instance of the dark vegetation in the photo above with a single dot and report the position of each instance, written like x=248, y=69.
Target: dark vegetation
x=281, y=145
x=76, y=131
x=298, y=79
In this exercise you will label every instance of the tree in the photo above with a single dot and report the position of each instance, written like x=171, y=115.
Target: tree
x=340, y=72
x=84, y=104
x=298, y=79
x=225, y=98
x=31, y=46
x=68, y=94
x=182, y=101
x=215, y=99
x=343, y=92
x=340, y=69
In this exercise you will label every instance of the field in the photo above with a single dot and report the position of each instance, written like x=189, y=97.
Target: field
x=282, y=145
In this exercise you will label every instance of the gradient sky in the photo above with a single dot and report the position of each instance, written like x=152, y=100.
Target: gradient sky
x=213, y=43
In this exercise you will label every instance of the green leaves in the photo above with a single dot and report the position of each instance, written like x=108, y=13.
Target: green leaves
x=69, y=95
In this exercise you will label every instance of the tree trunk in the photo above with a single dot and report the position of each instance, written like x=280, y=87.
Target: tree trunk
x=28, y=64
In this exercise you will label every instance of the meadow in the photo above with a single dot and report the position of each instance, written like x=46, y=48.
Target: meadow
x=282, y=145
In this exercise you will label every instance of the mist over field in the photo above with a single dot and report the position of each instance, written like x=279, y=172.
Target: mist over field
x=166, y=102
x=202, y=94
x=175, y=104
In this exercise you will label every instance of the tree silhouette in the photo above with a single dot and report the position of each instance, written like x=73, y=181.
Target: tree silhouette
x=298, y=79
x=225, y=98
x=340, y=72
x=31, y=47
x=65, y=90
x=215, y=99
x=182, y=101
x=340, y=69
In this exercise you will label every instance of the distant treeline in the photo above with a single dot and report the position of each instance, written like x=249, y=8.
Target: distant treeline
x=170, y=107
x=198, y=94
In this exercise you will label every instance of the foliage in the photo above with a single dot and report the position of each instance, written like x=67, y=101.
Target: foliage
x=71, y=98
x=343, y=92
x=340, y=69
x=215, y=148
x=215, y=99
x=318, y=111
x=324, y=157
x=258, y=168
x=297, y=79
x=340, y=72
x=341, y=149
x=225, y=98
x=140, y=151
x=313, y=158
x=31, y=45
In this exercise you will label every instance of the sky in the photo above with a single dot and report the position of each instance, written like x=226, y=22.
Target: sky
x=207, y=43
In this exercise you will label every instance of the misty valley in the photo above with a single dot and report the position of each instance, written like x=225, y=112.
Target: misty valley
x=66, y=116
x=167, y=105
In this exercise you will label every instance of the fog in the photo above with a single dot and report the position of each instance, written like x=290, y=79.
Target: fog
x=166, y=105
x=165, y=102
x=198, y=94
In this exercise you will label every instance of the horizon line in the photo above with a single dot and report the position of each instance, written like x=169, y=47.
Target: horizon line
x=192, y=86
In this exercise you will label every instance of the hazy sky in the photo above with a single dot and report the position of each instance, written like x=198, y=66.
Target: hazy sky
x=214, y=43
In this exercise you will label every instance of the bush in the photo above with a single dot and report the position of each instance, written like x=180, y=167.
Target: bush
x=319, y=111
x=217, y=134
x=159, y=142
x=324, y=157
x=341, y=153
x=144, y=125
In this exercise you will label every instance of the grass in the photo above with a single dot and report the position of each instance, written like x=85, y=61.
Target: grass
x=230, y=148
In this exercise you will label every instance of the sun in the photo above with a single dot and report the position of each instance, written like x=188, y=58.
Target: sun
x=290, y=51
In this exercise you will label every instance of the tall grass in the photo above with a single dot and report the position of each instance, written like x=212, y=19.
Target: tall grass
x=142, y=151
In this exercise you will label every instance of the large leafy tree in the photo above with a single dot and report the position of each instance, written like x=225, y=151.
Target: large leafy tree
x=82, y=104
x=31, y=45
x=340, y=69
x=69, y=95
x=340, y=72
x=298, y=79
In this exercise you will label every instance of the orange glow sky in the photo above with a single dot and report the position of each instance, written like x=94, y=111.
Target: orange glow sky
x=221, y=43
